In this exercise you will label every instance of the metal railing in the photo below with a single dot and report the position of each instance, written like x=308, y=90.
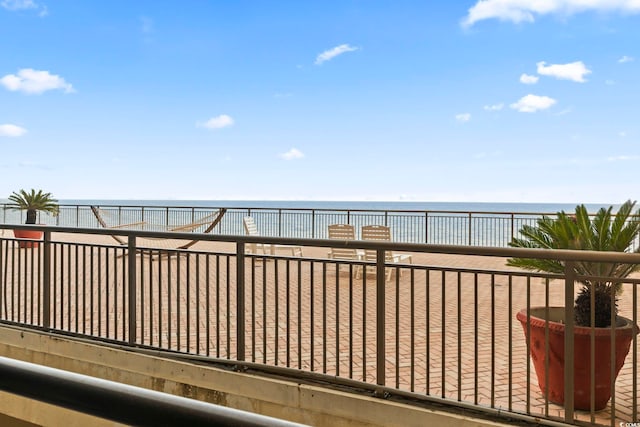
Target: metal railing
x=409, y=226
x=443, y=328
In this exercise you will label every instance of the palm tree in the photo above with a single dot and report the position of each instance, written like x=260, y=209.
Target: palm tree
x=33, y=202
x=605, y=232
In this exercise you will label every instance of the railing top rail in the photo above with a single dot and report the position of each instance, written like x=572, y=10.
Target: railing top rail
x=561, y=254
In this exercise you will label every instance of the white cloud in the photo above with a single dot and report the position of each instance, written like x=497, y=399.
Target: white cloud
x=574, y=71
x=609, y=82
x=622, y=134
x=14, y=5
x=529, y=80
x=30, y=164
x=34, y=82
x=518, y=11
x=463, y=117
x=292, y=154
x=533, y=103
x=332, y=53
x=622, y=158
x=18, y=4
x=624, y=59
x=219, y=122
x=485, y=155
x=11, y=130
x=494, y=107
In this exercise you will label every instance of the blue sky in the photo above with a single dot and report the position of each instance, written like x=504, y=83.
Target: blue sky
x=470, y=101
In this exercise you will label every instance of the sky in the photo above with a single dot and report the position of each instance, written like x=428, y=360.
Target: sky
x=425, y=100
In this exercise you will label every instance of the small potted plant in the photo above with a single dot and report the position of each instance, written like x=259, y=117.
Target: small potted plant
x=605, y=232
x=32, y=202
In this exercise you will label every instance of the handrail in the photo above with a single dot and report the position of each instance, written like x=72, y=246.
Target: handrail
x=120, y=402
x=561, y=254
x=275, y=208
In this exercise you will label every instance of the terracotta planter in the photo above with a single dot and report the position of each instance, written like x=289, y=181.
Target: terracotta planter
x=625, y=330
x=28, y=234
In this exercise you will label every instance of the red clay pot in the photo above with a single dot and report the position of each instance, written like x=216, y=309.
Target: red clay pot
x=625, y=330
x=28, y=234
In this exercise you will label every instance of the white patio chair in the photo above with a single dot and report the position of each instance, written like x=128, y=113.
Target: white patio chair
x=251, y=229
x=345, y=232
x=383, y=233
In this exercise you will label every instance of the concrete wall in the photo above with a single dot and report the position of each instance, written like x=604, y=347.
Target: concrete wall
x=283, y=399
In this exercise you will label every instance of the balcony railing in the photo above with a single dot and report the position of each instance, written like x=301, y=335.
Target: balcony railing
x=410, y=226
x=443, y=328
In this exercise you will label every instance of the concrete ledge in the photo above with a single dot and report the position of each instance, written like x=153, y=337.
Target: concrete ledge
x=19, y=411
x=273, y=397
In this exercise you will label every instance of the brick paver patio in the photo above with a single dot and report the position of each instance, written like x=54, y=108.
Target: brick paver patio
x=459, y=340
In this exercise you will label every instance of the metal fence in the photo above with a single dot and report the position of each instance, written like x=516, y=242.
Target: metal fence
x=432, y=227
x=442, y=328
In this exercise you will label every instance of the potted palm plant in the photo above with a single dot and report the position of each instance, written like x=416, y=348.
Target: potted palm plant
x=32, y=202
x=602, y=284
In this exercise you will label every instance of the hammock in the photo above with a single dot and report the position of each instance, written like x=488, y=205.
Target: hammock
x=209, y=222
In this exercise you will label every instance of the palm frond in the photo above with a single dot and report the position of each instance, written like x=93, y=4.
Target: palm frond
x=33, y=201
x=603, y=232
